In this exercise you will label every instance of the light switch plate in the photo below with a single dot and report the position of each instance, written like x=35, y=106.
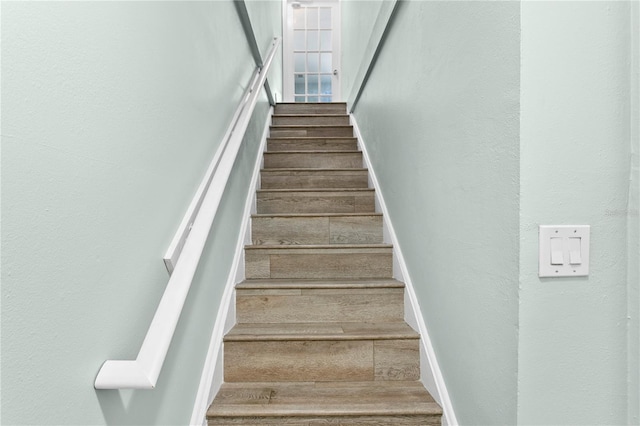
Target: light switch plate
x=570, y=253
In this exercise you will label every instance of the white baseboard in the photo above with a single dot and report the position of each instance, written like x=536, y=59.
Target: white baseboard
x=431, y=377
x=212, y=372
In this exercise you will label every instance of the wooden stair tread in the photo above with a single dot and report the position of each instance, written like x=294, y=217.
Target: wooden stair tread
x=314, y=215
x=271, y=283
x=312, y=138
x=311, y=152
x=324, y=399
x=301, y=104
x=320, y=331
x=317, y=190
x=305, y=170
x=304, y=126
x=310, y=115
x=340, y=247
x=311, y=104
x=320, y=336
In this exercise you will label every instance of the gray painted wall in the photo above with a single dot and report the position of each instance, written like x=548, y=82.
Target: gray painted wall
x=633, y=296
x=266, y=19
x=440, y=119
x=484, y=120
x=111, y=114
x=574, y=169
x=359, y=19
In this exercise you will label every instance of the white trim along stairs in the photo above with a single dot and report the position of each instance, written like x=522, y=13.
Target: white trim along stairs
x=323, y=329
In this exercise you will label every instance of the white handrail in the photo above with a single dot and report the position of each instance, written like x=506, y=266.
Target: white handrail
x=143, y=372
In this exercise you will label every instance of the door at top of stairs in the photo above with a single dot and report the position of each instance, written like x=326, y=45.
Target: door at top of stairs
x=312, y=51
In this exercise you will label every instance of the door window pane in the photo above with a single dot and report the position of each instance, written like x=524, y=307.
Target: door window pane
x=312, y=40
x=299, y=84
x=298, y=19
x=300, y=99
x=312, y=18
x=325, y=62
x=312, y=99
x=312, y=62
x=325, y=84
x=325, y=99
x=325, y=40
x=298, y=59
x=325, y=17
x=312, y=84
x=298, y=40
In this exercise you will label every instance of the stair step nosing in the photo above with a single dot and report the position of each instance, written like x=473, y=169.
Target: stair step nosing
x=383, y=412
x=309, y=152
x=349, y=139
x=284, y=191
x=295, y=215
x=318, y=337
x=311, y=115
x=263, y=332
x=320, y=287
x=313, y=169
x=341, y=247
x=304, y=126
x=268, y=284
x=311, y=103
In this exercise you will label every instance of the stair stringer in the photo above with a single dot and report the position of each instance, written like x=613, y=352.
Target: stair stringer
x=212, y=372
x=431, y=377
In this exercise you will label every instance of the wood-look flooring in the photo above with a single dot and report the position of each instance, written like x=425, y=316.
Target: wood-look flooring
x=320, y=337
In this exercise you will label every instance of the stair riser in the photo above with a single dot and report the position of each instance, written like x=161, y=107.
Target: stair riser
x=363, y=263
x=317, y=230
x=316, y=160
x=316, y=202
x=312, y=132
x=318, y=305
x=321, y=360
x=309, y=108
x=343, y=144
x=314, y=179
x=310, y=120
x=408, y=420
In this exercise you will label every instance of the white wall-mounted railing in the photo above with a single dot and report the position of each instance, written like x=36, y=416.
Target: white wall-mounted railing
x=185, y=252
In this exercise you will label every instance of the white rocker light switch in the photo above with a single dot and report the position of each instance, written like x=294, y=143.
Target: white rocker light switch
x=564, y=250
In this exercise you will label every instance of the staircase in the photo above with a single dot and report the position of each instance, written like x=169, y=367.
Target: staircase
x=320, y=336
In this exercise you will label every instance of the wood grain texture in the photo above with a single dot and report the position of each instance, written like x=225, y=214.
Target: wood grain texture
x=314, y=178
x=345, y=265
x=319, y=360
x=257, y=265
x=304, y=229
x=320, y=337
x=375, y=403
x=355, y=230
x=341, y=283
x=397, y=359
x=312, y=144
x=311, y=201
x=320, y=305
x=310, y=131
x=308, y=331
x=311, y=108
x=313, y=159
x=383, y=420
x=290, y=230
x=314, y=119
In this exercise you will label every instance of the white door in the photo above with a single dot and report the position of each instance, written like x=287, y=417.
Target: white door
x=312, y=51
